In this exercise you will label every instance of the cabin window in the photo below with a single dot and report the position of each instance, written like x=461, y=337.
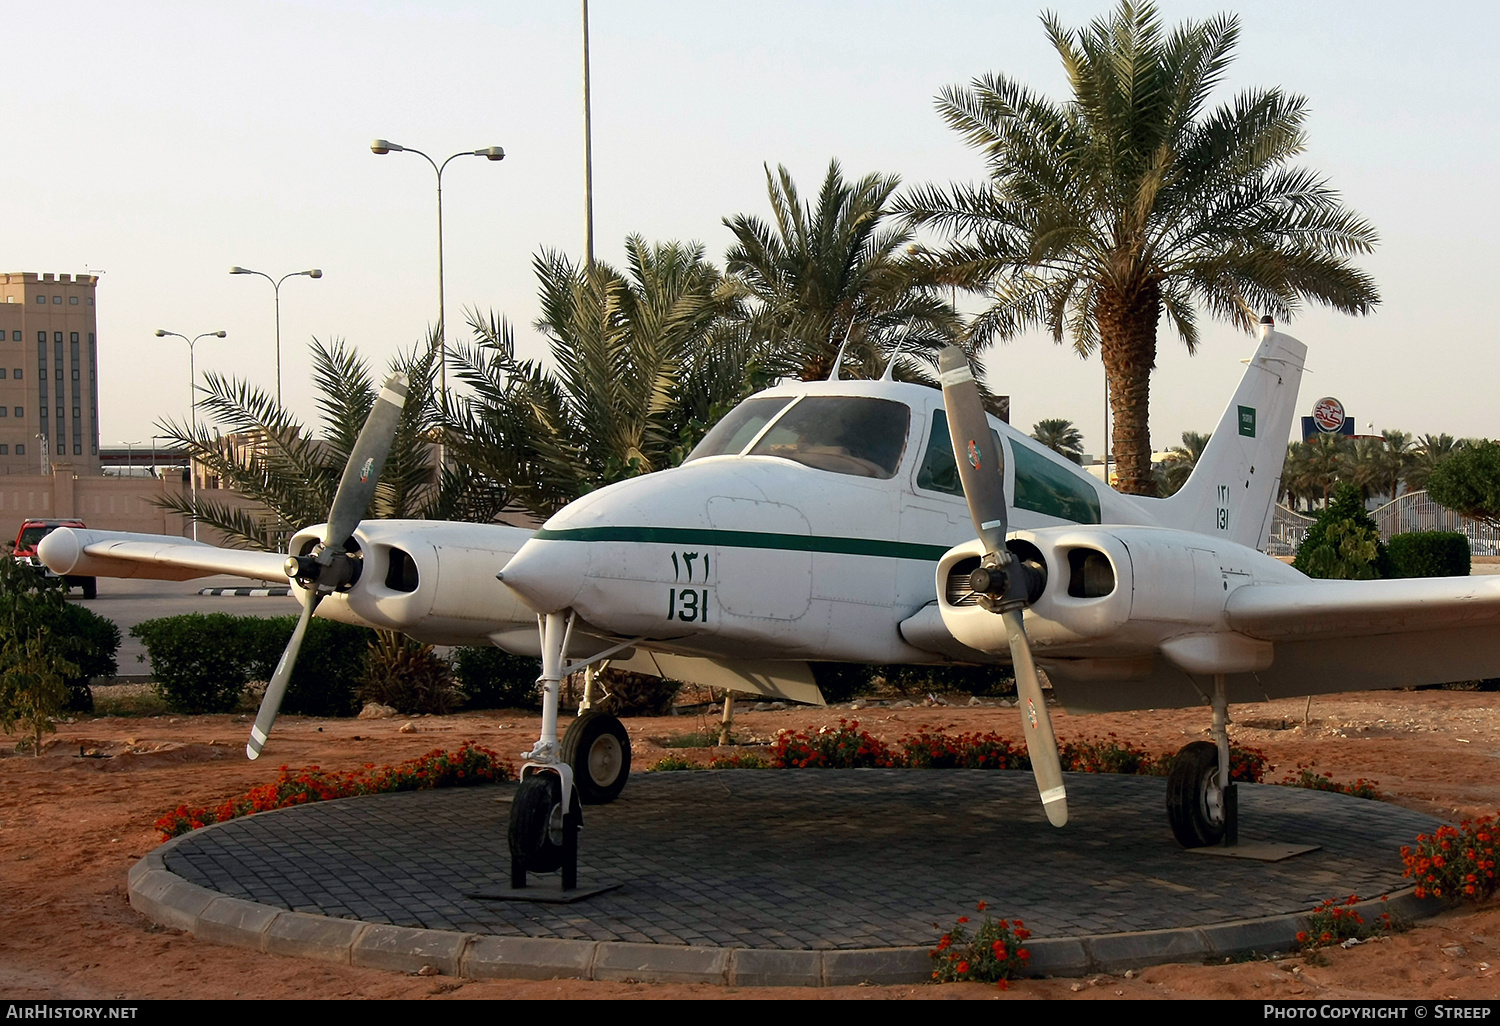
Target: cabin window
x=741, y=424
x=1044, y=487
x=857, y=435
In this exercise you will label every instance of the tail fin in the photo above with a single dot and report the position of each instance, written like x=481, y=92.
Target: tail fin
x=1233, y=486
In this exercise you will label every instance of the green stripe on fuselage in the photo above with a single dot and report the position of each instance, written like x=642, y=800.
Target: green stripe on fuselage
x=749, y=540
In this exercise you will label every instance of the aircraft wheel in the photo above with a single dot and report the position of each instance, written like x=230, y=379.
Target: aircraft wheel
x=1195, y=802
x=598, y=748
x=536, y=823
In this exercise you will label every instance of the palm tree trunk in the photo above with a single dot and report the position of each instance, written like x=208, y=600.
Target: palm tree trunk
x=1127, y=344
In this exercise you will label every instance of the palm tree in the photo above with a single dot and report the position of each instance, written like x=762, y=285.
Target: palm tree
x=1399, y=453
x=257, y=448
x=1130, y=201
x=645, y=361
x=832, y=271
x=1061, y=436
x=1182, y=461
x=1429, y=451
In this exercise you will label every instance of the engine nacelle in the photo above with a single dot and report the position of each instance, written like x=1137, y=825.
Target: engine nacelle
x=432, y=580
x=1119, y=593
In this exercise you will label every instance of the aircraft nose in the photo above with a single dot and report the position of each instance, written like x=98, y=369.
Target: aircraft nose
x=546, y=573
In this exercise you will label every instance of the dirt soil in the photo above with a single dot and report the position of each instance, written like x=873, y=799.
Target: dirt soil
x=71, y=827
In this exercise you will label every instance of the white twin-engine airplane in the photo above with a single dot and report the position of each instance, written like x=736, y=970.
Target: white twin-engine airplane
x=828, y=521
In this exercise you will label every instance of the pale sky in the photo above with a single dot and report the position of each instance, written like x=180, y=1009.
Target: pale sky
x=162, y=143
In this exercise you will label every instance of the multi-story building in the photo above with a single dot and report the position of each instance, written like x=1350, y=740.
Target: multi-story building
x=49, y=380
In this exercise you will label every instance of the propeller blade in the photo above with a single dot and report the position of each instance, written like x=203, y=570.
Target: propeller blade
x=362, y=472
x=981, y=466
x=270, y=705
x=1041, y=743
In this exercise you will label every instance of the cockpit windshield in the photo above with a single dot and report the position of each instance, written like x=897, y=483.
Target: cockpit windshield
x=740, y=425
x=856, y=435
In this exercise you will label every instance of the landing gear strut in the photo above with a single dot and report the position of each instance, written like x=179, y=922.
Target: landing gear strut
x=1202, y=804
x=590, y=766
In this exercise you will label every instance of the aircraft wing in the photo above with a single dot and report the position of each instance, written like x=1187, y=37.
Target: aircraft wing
x=1352, y=609
x=75, y=551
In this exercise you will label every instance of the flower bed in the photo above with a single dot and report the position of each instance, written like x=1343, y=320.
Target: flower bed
x=1454, y=864
x=471, y=764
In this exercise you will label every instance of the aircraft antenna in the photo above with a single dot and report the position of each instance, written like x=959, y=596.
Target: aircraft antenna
x=890, y=366
x=833, y=375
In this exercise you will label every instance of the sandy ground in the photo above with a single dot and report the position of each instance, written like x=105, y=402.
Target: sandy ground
x=70, y=828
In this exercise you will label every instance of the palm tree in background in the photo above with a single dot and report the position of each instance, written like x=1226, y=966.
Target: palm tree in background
x=1428, y=452
x=1061, y=436
x=823, y=272
x=1131, y=201
x=1182, y=461
x=257, y=448
x=643, y=362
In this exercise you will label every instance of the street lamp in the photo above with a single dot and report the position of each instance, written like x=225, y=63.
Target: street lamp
x=192, y=406
x=276, y=287
x=129, y=457
x=384, y=146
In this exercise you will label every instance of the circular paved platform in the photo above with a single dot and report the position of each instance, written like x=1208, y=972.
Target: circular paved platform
x=763, y=877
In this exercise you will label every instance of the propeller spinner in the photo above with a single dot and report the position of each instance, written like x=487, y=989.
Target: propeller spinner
x=329, y=566
x=1004, y=584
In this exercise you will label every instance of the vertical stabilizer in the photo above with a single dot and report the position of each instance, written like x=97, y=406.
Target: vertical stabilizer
x=1233, y=488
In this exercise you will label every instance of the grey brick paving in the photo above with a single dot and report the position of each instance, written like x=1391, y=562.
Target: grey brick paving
x=857, y=860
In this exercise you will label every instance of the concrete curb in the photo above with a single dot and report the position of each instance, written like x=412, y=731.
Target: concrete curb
x=208, y=915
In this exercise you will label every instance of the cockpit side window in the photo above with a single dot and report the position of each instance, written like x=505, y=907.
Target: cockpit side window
x=1041, y=485
x=741, y=424
x=938, y=472
x=858, y=435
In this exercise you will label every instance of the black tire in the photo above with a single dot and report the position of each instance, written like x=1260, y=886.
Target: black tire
x=535, y=834
x=1196, y=822
x=598, y=748
x=90, y=587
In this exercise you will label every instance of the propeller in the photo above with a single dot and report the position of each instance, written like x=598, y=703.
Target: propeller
x=329, y=566
x=1004, y=584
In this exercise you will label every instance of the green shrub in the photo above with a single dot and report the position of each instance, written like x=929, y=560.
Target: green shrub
x=409, y=676
x=48, y=649
x=624, y=693
x=202, y=661
x=968, y=680
x=1429, y=554
x=1343, y=543
x=492, y=678
x=840, y=682
x=98, y=641
x=329, y=666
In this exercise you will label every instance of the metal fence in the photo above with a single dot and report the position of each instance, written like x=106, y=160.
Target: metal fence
x=1287, y=531
x=1416, y=512
x=1413, y=511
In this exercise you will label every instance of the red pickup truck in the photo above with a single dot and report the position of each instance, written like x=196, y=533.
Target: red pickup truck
x=32, y=532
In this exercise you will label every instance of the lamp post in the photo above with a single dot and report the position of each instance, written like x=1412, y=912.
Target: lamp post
x=384, y=146
x=192, y=406
x=276, y=287
x=130, y=457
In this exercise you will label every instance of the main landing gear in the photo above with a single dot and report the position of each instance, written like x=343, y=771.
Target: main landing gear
x=1202, y=805
x=589, y=767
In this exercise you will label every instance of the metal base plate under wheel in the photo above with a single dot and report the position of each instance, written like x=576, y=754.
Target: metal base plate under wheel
x=1194, y=801
x=598, y=748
